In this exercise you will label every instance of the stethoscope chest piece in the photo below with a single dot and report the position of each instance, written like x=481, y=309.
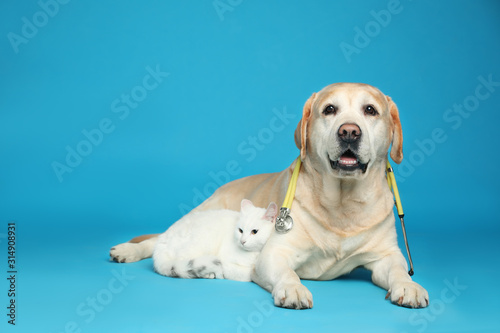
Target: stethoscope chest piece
x=284, y=221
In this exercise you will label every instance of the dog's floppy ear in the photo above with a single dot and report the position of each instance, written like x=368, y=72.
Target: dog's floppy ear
x=397, y=133
x=301, y=131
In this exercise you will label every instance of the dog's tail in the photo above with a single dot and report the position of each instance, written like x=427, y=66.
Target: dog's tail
x=141, y=238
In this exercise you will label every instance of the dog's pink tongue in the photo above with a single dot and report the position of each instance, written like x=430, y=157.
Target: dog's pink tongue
x=347, y=160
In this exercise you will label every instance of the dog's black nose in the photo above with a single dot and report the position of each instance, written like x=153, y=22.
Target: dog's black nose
x=349, y=133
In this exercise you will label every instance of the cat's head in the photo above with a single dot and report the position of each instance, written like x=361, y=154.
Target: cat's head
x=255, y=225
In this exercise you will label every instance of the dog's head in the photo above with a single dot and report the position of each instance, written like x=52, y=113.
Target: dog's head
x=347, y=128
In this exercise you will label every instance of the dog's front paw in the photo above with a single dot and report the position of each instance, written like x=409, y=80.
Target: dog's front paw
x=408, y=294
x=126, y=252
x=292, y=296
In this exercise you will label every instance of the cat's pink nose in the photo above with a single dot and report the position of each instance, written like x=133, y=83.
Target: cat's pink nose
x=243, y=242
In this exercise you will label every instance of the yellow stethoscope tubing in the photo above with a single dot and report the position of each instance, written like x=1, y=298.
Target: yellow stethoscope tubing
x=292, y=186
x=391, y=181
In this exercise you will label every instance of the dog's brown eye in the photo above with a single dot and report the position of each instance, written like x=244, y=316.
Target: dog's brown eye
x=370, y=110
x=330, y=109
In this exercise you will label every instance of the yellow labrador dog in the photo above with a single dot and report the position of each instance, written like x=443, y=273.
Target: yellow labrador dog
x=342, y=210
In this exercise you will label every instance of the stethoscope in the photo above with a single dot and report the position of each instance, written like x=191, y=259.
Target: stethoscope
x=284, y=222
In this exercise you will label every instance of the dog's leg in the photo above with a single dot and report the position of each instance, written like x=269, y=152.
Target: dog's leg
x=273, y=273
x=133, y=251
x=391, y=273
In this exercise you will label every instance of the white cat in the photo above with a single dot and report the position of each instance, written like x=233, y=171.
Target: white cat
x=221, y=244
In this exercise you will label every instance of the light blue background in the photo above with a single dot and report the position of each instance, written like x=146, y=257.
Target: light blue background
x=229, y=74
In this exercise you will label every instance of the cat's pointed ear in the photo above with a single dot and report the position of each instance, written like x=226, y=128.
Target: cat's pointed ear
x=271, y=212
x=245, y=204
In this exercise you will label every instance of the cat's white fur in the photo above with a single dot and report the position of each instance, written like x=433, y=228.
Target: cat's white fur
x=221, y=244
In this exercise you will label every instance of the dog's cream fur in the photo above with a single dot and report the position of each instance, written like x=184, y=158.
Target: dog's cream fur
x=342, y=219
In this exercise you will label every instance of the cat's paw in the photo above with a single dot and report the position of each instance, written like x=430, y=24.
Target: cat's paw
x=408, y=294
x=292, y=296
x=206, y=268
x=126, y=252
x=211, y=275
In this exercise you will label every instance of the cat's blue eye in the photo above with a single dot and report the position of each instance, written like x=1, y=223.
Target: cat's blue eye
x=254, y=231
x=241, y=231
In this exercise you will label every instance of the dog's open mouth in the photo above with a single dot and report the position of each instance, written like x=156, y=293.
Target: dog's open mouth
x=349, y=161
